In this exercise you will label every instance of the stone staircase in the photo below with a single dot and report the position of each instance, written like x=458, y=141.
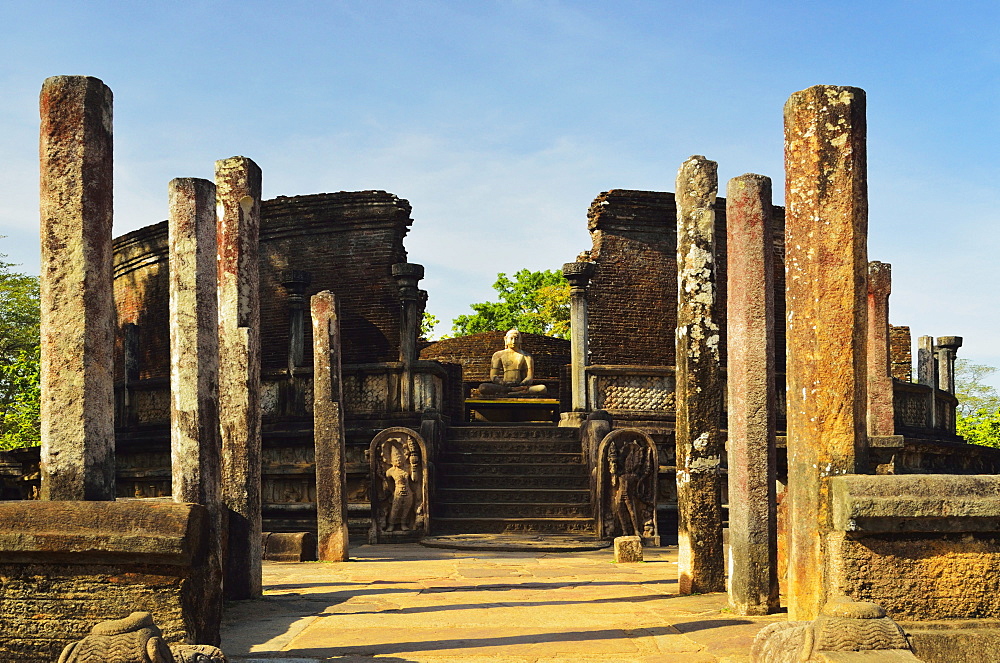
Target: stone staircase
x=512, y=479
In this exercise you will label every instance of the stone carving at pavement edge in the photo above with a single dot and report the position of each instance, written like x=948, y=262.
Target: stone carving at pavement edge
x=628, y=468
x=399, y=486
x=135, y=639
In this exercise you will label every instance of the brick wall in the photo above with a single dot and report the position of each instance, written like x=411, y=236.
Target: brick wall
x=633, y=295
x=347, y=241
x=900, y=354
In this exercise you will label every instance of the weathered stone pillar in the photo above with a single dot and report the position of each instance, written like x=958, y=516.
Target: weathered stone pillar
x=407, y=276
x=578, y=274
x=880, y=415
x=947, y=349
x=701, y=567
x=77, y=308
x=292, y=393
x=237, y=181
x=195, y=444
x=826, y=263
x=927, y=373
x=328, y=431
x=753, y=525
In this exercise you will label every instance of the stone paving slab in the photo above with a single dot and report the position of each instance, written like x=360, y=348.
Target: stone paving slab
x=408, y=603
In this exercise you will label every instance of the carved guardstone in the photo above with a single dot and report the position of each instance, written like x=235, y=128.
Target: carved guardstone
x=626, y=471
x=399, y=490
x=135, y=639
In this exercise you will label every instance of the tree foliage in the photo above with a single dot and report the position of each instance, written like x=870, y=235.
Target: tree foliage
x=19, y=359
x=977, y=417
x=534, y=302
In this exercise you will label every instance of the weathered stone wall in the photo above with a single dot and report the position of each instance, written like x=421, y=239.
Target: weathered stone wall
x=923, y=577
x=900, y=353
x=632, y=298
x=347, y=241
x=65, y=566
x=475, y=351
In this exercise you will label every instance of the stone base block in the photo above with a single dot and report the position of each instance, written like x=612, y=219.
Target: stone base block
x=628, y=549
x=955, y=641
x=65, y=566
x=289, y=546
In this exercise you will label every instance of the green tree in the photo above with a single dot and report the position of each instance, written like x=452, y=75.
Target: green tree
x=427, y=324
x=19, y=359
x=534, y=302
x=977, y=417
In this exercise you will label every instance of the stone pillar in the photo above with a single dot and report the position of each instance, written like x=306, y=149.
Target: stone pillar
x=407, y=276
x=578, y=274
x=947, y=349
x=753, y=525
x=295, y=282
x=77, y=307
x=701, y=567
x=880, y=414
x=195, y=444
x=927, y=373
x=826, y=263
x=237, y=181
x=328, y=431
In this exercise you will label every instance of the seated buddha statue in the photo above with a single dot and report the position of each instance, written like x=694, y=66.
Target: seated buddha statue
x=512, y=371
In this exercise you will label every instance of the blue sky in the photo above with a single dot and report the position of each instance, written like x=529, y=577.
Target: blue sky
x=501, y=121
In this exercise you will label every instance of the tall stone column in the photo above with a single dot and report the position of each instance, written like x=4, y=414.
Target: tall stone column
x=407, y=276
x=328, y=430
x=753, y=521
x=292, y=396
x=701, y=567
x=826, y=263
x=195, y=444
x=947, y=350
x=77, y=306
x=927, y=373
x=578, y=274
x=237, y=181
x=881, y=416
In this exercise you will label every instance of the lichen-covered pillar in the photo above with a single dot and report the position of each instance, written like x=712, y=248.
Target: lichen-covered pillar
x=578, y=274
x=927, y=373
x=753, y=524
x=947, y=351
x=826, y=263
x=77, y=306
x=237, y=182
x=407, y=276
x=328, y=430
x=195, y=445
x=881, y=416
x=701, y=567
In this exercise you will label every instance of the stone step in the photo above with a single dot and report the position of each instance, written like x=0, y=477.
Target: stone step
x=447, y=470
x=527, y=433
x=507, y=510
x=500, y=481
x=517, y=458
x=513, y=446
x=581, y=526
x=514, y=495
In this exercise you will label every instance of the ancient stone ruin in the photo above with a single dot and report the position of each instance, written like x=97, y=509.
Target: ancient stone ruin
x=246, y=381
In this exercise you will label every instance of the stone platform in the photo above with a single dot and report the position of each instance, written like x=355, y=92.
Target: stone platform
x=409, y=603
x=515, y=543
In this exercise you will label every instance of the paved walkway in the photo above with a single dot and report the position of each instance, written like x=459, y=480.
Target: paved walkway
x=408, y=603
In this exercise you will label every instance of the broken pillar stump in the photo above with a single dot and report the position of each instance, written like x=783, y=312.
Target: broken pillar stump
x=628, y=549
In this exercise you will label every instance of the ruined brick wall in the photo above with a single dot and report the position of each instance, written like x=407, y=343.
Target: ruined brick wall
x=632, y=299
x=347, y=241
x=474, y=353
x=900, y=353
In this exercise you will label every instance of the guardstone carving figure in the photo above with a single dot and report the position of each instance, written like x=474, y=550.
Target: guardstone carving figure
x=399, y=486
x=627, y=470
x=512, y=371
x=135, y=639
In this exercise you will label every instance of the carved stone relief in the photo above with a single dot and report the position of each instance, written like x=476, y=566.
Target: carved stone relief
x=627, y=481
x=634, y=392
x=399, y=491
x=135, y=639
